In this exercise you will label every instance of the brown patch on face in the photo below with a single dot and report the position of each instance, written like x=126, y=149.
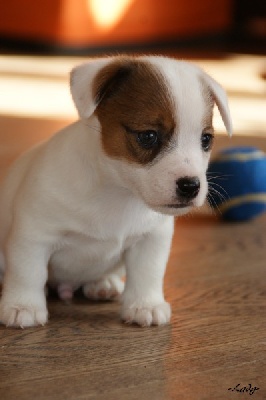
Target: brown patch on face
x=133, y=103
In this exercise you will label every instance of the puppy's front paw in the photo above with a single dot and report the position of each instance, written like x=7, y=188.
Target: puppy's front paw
x=23, y=316
x=147, y=315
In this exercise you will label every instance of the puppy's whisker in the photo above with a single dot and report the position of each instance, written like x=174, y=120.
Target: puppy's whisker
x=222, y=190
x=211, y=178
x=218, y=194
x=210, y=175
x=213, y=204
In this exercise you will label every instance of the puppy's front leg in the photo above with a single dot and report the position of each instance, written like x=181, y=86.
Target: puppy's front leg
x=143, y=299
x=23, y=300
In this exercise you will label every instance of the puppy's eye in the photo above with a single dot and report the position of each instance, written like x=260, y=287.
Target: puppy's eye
x=206, y=141
x=147, y=139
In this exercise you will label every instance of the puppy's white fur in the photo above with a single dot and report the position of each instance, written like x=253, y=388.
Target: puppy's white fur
x=67, y=204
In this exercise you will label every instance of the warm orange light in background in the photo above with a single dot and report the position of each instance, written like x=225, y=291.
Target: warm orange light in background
x=107, y=13
x=103, y=23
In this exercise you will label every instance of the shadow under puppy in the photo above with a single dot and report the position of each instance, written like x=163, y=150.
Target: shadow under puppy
x=101, y=194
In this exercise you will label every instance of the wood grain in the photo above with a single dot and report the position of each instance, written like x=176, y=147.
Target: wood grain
x=217, y=338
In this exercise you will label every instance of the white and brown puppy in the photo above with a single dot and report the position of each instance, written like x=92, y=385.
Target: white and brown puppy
x=101, y=194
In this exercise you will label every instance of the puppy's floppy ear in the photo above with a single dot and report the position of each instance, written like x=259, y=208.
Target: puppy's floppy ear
x=95, y=80
x=81, y=85
x=220, y=99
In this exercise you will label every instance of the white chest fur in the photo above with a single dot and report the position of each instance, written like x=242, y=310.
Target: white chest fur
x=96, y=239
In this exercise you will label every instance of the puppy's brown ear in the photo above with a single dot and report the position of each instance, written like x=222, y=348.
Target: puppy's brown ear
x=95, y=80
x=221, y=101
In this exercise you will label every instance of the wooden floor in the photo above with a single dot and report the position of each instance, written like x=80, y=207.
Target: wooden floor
x=216, y=342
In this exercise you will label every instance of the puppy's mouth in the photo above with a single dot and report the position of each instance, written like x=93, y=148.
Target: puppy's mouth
x=178, y=205
x=174, y=208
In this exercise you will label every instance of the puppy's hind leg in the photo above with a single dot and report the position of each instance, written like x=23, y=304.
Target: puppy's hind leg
x=65, y=291
x=109, y=287
x=23, y=300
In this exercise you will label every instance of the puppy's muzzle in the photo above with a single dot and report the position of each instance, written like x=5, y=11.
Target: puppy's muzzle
x=187, y=188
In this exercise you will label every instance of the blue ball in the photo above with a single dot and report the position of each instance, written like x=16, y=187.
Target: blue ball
x=237, y=183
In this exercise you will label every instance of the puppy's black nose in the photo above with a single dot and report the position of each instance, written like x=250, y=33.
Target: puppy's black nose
x=188, y=187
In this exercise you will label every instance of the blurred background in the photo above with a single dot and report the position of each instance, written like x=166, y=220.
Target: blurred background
x=40, y=41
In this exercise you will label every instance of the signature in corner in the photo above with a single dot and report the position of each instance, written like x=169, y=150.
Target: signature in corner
x=244, y=389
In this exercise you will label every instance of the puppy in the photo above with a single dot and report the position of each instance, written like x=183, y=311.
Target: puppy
x=101, y=195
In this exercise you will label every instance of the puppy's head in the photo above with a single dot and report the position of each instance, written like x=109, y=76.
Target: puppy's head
x=155, y=120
